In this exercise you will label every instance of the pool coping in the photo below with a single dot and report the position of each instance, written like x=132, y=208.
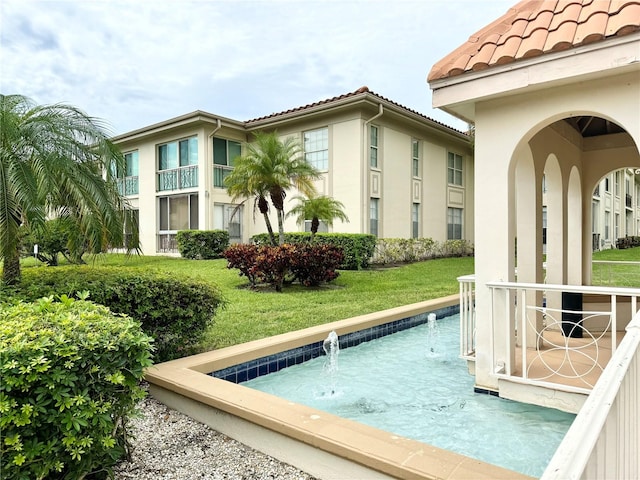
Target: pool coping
x=319, y=443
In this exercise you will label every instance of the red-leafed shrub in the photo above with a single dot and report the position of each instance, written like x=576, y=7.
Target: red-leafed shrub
x=243, y=257
x=313, y=264
x=310, y=264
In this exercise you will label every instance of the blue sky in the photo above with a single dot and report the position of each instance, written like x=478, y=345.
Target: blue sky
x=137, y=62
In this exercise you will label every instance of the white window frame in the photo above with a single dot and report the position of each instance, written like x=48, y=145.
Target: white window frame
x=455, y=175
x=455, y=223
x=415, y=157
x=374, y=216
x=316, y=148
x=374, y=144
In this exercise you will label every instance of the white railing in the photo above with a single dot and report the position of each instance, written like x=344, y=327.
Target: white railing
x=604, y=439
x=555, y=349
x=467, y=317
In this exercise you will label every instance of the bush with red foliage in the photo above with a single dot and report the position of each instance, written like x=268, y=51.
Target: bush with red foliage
x=313, y=264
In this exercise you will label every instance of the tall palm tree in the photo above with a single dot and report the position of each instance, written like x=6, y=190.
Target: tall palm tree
x=271, y=166
x=54, y=162
x=318, y=209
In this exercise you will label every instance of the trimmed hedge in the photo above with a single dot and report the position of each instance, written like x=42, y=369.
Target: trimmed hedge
x=202, y=244
x=175, y=311
x=407, y=250
x=70, y=375
x=358, y=248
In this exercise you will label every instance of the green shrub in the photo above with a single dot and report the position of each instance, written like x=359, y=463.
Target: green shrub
x=358, y=248
x=202, y=244
x=175, y=311
x=70, y=379
x=391, y=251
x=60, y=236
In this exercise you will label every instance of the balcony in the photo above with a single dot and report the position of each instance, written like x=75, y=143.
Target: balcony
x=178, y=178
x=220, y=172
x=128, y=186
x=552, y=347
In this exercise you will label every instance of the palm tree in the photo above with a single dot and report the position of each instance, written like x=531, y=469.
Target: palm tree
x=318, y=209
x=54, y=162
x=271, y=166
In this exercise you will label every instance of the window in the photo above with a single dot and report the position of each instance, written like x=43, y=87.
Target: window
x=322, y=226
x=178, y=164
x=415, y=157
x=228, y=217
x=596, y=192
x=617, y=225
x=374, y=204
x=454, y=224
x=415, y=220
x=595, y=215
x=454, y=169
x=316, y=148
x=177, y=212
x=224, y=154
x=373, y=146
x=128, y=180
x=607, y=186
x=607, y=224
x=616, y=180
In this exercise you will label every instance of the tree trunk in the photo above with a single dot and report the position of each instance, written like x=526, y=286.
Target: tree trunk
x=315, y=223
x=11, y=269
x=263, y=206
x=280, y=227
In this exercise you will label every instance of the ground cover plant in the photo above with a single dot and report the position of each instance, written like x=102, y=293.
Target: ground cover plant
x=71, y=373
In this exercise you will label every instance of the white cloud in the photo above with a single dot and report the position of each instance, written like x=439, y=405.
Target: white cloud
x=133, y=63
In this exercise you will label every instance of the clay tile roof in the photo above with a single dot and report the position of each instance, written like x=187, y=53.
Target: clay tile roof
x=535, y=27
x=360, y=91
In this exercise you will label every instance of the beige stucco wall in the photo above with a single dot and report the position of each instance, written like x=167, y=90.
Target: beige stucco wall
x=504, y=127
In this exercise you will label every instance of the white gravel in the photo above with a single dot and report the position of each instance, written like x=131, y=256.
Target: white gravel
x=169, y=445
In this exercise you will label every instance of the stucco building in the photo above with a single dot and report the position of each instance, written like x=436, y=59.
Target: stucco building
x=399, y=173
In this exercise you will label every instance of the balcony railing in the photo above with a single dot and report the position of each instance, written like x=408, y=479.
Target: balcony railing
x=178, y=178
x=220, y=172
x=128, y=186
x=167, y=243
x=604, y=439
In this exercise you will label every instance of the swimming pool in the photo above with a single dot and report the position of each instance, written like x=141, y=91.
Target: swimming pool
x=413, y=384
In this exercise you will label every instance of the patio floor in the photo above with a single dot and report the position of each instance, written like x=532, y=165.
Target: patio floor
x=576, y=362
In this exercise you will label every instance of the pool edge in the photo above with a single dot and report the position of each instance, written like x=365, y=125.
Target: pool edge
x=319, y=443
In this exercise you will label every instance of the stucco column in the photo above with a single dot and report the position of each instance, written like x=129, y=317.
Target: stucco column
x=494, y=245
x=529, y=242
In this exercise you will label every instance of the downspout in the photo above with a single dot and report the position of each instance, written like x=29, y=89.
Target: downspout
x=208, y=170
x=366, y=167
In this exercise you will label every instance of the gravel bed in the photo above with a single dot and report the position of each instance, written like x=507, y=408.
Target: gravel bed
x=170, y=445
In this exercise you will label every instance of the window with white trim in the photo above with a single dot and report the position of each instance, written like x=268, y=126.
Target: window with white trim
x=454, y=169
x=228, y=217
x=373, y=146
x=322, y=226
x=415, y=157
x=224, y=154
x=415, y=220
x=316, y=148
x=175, y=212
x=374, y=215
x=454, y=223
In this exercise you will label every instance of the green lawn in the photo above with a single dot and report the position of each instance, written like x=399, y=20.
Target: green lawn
x=252, y=314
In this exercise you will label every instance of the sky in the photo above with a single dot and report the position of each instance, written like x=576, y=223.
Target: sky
x=133, y=63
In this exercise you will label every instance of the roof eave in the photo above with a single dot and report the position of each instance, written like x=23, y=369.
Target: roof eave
x=457, y=95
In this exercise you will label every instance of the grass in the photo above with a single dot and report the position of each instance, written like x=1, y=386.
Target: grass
x=253, y=314
x=617, y=275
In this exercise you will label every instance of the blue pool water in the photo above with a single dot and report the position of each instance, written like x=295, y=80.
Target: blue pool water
x=413, y=384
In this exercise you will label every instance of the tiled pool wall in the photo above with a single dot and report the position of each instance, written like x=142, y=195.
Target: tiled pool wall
x=272, y=363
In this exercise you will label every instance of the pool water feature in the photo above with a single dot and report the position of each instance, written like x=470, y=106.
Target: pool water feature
x=413, y=384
